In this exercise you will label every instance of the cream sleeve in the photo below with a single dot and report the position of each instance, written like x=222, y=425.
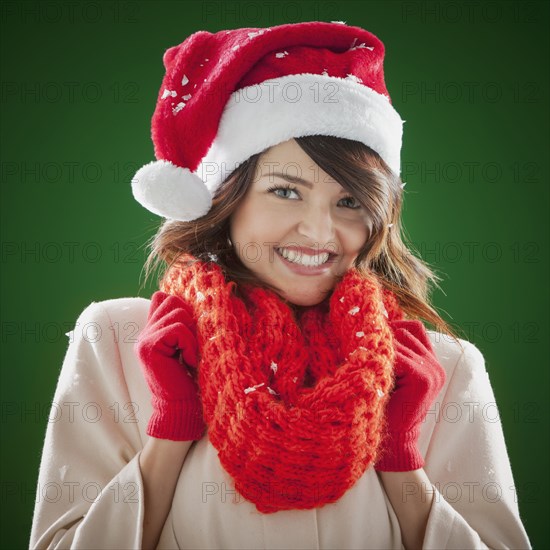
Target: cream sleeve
x=90, y=490
x=475, y=502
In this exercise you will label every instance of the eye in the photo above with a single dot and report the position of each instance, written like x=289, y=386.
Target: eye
x=350, y=198
x=282, y=188
x=355, y=205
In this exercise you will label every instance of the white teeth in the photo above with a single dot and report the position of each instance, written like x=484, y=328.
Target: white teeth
x=304, y=259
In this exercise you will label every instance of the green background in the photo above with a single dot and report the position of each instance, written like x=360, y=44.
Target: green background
x=79, y=85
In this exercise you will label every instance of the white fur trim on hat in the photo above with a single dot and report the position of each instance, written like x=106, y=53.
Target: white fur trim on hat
x=171, y=191
x=262, y=115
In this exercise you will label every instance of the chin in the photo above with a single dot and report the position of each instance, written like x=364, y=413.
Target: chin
x=304, y=301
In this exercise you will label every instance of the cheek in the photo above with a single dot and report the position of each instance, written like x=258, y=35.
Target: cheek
x=252, y=226
x=355, y=239
x=242, y=222
x=269, y=222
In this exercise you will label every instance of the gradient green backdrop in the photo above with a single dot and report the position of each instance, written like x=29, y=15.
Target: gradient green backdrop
x=79, y=85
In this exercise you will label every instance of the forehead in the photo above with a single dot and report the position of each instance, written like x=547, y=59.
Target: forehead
x=289, y=161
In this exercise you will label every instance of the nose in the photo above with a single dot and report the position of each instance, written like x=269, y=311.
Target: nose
x=317, y=225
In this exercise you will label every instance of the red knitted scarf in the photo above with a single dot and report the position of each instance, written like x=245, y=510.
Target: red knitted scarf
x=294, y=403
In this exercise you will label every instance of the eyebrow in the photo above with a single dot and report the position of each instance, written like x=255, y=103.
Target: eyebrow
x=294, y=179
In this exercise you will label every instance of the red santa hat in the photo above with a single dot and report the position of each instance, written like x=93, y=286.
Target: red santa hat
x=232, y=94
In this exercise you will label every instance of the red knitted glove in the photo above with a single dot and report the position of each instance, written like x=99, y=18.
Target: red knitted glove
x=177, y=410
x=418, y=379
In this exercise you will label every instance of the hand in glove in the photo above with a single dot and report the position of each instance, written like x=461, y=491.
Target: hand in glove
x=177, y=410
x=418, y=379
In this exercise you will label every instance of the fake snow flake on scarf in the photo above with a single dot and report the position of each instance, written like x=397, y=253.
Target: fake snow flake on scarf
x=294, y=405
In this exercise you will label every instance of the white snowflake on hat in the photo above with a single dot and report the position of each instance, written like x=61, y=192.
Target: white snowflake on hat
x=230, y=95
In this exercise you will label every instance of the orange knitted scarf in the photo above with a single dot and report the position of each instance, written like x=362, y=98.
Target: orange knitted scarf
x=294, y=404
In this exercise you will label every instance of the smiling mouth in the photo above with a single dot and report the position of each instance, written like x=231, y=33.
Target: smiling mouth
x=306, y=260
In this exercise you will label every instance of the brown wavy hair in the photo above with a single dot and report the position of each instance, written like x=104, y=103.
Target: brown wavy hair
x=360, y=171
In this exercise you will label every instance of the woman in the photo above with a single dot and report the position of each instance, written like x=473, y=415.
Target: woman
x=279, y=390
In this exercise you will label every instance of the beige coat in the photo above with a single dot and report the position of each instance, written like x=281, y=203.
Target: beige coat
x=90, y=490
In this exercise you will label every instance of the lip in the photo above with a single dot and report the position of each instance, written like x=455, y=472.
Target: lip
x=302, y=269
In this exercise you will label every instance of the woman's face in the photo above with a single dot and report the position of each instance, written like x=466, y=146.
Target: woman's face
x=306, y=218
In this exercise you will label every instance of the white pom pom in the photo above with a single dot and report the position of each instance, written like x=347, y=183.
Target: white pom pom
x=171, y=191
